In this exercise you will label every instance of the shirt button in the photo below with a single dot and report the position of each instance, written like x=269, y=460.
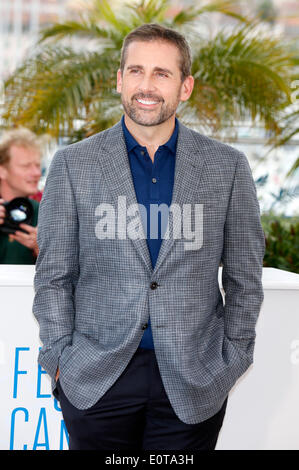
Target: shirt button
x=154, y=285
x=154, y=180
x=142, y=152
x=144, y=327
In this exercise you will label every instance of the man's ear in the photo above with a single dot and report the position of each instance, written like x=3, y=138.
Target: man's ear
x=187, y=88
x=119, y=81
x=3, y=172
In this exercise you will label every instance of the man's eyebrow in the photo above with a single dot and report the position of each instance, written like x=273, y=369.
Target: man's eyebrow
x=134, y=67
x=156, y=69
x=161, y=69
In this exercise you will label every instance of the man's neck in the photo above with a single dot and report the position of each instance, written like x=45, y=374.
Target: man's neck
x=151, y=137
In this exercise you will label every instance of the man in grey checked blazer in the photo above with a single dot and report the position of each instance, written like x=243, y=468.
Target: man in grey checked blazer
x=96, y=291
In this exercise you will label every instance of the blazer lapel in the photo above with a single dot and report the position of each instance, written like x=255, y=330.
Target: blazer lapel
x=115, y=166
x=188, y=170
x=116, y=171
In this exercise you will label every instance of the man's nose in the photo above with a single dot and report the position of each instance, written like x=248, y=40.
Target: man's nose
x=36, y=171
x=147, y=84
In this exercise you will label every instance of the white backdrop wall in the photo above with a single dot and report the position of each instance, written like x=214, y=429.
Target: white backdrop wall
x=263, y=407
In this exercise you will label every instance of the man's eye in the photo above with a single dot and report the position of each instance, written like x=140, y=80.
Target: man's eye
x=135, y=71
x=162, y=74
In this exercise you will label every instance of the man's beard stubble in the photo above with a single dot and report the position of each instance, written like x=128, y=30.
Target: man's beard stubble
x=143, y=117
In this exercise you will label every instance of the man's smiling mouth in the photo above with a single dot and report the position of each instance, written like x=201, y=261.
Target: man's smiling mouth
x=146, y=102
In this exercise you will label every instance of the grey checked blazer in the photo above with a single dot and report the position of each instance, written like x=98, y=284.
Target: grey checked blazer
x=93, y=295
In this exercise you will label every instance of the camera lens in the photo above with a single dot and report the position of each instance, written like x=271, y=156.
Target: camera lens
x=18, y=210
x=18, y=215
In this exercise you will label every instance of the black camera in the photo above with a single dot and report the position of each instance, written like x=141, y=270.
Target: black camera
x=18, y=211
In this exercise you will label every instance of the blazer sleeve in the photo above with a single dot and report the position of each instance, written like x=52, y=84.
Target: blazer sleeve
x=242, y=259
x=57, y=266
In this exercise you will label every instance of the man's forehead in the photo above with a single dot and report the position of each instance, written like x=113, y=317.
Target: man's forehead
x=156, y=50
x=22, y=152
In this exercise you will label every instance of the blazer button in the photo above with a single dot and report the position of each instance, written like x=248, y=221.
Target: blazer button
x=154, y=285
x=144, y=327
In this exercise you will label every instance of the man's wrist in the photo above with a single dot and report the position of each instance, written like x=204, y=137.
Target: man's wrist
x=35, y=251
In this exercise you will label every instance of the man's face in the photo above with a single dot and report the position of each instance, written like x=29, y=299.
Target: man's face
x=151, y=87
x=22, y=173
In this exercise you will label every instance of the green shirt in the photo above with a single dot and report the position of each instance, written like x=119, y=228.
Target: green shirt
x=13, y=252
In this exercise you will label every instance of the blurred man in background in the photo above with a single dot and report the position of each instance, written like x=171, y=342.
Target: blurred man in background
x=20, y=172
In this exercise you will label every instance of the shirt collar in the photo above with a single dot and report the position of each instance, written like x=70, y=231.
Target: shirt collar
x=131, y=142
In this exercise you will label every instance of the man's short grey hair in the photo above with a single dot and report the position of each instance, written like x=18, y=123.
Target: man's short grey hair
x=154, y=32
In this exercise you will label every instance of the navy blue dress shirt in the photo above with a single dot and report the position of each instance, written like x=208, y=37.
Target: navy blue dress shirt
x=153, y=182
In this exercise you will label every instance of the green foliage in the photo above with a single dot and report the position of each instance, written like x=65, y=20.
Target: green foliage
x=282, y=242
x=289, y=117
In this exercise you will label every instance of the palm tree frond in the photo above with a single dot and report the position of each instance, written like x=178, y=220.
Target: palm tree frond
x=59, y=31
